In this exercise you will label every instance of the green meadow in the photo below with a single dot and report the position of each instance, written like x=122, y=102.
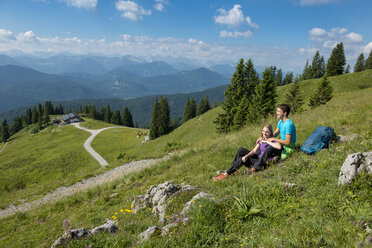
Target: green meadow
x=317, y=213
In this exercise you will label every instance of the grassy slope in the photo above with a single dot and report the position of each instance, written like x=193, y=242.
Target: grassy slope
x=320, y=214
x=34, y=164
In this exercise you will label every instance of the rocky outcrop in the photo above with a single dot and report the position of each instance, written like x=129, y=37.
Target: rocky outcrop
x=157, y=197
x=354, y=165
x=69, y=235
x=347, y=138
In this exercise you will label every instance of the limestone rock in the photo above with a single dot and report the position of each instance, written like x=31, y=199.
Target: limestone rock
x=347, y=138
x=200, y=195
x=71, y=234
x=150, y=232
x=109, y=227
x=166, y=229
x=354, y=165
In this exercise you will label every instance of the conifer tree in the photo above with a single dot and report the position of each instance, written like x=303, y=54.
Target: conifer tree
x=203, y=106
x=187, y=115
x=243, y=84
x=108, y=114
x=317, y=66
x=136, y=124
x=215, y=105
x=16, y=125
x=47, y=111
x=86, y=109
x=28, y=116
x=115, y=118
x=368, y=63
x=264, y=100
x=307, y=72
x=359, y=65
x=337, y=61
x=193, y=107
x=347, y=70
x=323, y=93
x=278, y=80
x=34, y=116
x=93, y=112
x=4, y=131
x=241, y=115
x=288, y=79
x=154, y=127
x=40, y=122
x=39, y=110
x=126, y=118
x=164, y=116
x=294, y=98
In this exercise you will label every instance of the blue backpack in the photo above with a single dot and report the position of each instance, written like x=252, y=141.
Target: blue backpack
x=319, y=139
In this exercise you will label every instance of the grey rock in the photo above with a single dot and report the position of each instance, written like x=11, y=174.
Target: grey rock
x=347, y=138
x=109, y=227
x=349, y=168
x=71, y=234
x=166, y=229
x=199, y=196
x=368, y=241
x=150, y=232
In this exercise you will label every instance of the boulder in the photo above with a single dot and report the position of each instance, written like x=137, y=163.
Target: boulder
x=152, y=231
x=109, y=227
x=347, y=138
x=354, y=165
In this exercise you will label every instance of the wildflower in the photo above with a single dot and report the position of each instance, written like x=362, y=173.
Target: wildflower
x=251, y=237
x=226, y=238
x=121, y=210
x=167, y=216
x=116, y=213
x=128, y=211
x=150, y=209
x=241, y=245
x=192, y=200
x=131, y=206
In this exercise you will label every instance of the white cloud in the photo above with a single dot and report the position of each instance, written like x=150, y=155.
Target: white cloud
x=318, y=34
x=317, y=2
x=233, y=17
x=195, y=41
x=6, y=35
x=368, y=48
x=250, y=23
x=330, y=44
x=159, y=6
x=28, y=36
x=236, y=34
x=127, y=37
x=86, y=4
x=354, y=37
x=131, y=10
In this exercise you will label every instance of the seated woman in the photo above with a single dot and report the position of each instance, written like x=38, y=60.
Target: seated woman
x=256, y=159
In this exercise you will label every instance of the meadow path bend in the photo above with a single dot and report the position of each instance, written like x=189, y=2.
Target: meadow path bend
x=87, y=143
x=4, y=146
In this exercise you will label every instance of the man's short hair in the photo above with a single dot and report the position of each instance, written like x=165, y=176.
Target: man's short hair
x=285, y=108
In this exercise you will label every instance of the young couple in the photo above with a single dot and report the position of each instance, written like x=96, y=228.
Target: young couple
x=267, y=146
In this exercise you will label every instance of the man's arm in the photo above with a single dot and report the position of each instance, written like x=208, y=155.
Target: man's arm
x=276, y=133
x=286, y=142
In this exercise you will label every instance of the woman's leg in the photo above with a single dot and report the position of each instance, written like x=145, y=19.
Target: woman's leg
x=238, y=162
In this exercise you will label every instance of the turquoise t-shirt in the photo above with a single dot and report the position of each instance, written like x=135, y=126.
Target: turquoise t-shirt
x=285, y=128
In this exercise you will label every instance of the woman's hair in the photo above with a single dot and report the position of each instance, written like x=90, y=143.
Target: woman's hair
x=270, y=129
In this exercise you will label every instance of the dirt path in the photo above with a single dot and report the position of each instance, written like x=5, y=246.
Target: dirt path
x=4, y=147
x=83, y=185
x=87, y=143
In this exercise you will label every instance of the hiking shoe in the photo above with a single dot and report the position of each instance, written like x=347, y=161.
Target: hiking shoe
x=220, y=177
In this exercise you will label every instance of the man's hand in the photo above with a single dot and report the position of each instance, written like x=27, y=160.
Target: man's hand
x=259, y=140
x=271, y=139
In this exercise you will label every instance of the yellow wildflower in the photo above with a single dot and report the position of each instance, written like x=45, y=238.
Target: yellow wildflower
x=128, y=211
x=116, y=213
x=192, y=200
x=241, y=245
x=131, y=206
x=121, y=210
x=251, y=237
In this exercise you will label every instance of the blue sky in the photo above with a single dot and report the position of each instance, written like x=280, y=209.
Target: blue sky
x=272, y=32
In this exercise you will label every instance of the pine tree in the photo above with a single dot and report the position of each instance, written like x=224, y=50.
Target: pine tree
x=126, y=118
x=368, y=63
x=28, y=116
x=278, y=80
x=192, y=107
x=240, y=117
x=4, y=131
x=115, y=118
x=347, y=70
x=164, y=117
x=264, y=100
x=323, y=93
x=108, y=114
x=16, y=125
x=360, y=64
x=203, y=106
x=187, y=115
x=337, y=61
x=93, y=112
x=40, y=122
x=294, y=98
x=154, y=127
x=47, y=111
x=288, y=79
x=317, y=66
x=307, y=72
x=34, y=116
x=243, y=84
x=136, y=124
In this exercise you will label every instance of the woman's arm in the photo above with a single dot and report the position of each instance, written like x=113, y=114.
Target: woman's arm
x=276, y=145
x=251, y=152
